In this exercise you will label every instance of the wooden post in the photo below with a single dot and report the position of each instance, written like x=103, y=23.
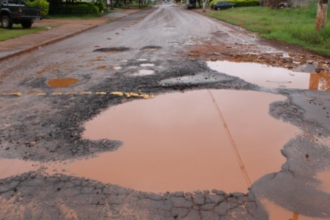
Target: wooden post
x=322, y=10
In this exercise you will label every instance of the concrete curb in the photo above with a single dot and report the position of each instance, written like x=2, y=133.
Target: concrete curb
x=45, y=43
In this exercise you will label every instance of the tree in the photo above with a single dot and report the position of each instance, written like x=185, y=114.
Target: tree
x=322, y=10
x=204, y=5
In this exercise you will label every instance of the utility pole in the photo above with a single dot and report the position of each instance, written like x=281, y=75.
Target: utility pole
x=322, y=11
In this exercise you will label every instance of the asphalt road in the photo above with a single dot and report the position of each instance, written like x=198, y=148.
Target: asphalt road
x=45, y=123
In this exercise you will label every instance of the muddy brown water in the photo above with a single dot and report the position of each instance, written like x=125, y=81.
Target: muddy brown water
x=273, y=77
x=177, y=142
x=324, y=178
x=11, y=167
x=61, y=82
x=277, y=212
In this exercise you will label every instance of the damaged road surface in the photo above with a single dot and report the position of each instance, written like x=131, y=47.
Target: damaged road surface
x=165, y=114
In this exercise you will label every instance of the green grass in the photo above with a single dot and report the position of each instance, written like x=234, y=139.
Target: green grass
x=293, y=25
x=75, y=17
x=18, y=31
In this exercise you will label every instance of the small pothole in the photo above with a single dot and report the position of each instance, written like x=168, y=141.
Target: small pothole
x=143, y=72
x=147, y=64
x=112, y=49
x=151, y=48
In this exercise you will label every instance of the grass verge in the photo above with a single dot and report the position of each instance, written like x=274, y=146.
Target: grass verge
x=75, y=17
x=18, y=31
x=292, y=25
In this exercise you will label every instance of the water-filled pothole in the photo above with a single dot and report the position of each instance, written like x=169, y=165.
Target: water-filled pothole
x=272, y=77
x=112, y=49
x=147, y=64
x=277, y=212
x=151, y=48
x=324, y=178
x=144, y=73
x=61, y=82
x=12, y=167
x=177, y=142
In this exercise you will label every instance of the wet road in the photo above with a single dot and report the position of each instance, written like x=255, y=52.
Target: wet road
x=263, y=149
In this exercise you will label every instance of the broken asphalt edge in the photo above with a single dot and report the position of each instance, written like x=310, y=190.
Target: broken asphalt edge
x=57, y=39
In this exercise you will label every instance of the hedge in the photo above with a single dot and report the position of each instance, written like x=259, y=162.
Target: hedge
x=78, y=9
x=42, y=4
x=239, y=3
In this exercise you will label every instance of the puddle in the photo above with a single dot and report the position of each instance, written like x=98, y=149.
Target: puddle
x=144, y=73
x=151, y=48
x=147, y=64
x=12, y=167
x=177, y=142
x=276, y=212
x=61, y=82
x=324, y=177
x=112, y=49
x=272, y=77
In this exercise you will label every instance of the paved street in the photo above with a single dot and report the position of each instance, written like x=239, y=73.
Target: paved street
x=164, y=114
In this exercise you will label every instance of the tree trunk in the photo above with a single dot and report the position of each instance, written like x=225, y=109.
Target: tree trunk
x=204, y=5
x=322, y=10
x=111, y=4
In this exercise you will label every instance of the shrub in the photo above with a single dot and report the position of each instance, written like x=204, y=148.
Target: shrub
x=238, y=3
x=100, y=5
x=42, y=4
x=78, y=9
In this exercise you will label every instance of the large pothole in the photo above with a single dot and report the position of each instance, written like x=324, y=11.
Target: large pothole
x=273, y=77
x=177, y=142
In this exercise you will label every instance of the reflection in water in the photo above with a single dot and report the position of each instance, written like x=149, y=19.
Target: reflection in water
x=176, y=142
x=273, y=77
x=276, y=212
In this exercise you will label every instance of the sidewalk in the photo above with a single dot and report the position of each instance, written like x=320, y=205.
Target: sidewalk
x=66, y=28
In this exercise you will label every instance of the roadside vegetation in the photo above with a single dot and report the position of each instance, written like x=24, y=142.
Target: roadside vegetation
x=291, y=25
x=17, y=31
x=239, y=3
